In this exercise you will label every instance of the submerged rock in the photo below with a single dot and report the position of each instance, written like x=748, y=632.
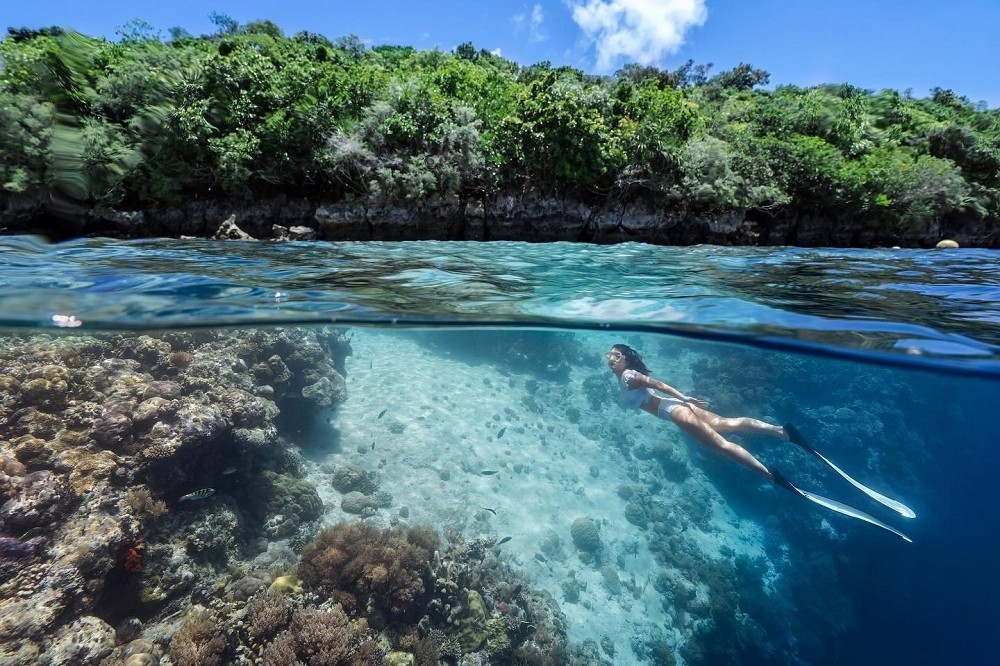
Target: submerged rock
x=351, y=477
x=42, y=498
x=87, y=640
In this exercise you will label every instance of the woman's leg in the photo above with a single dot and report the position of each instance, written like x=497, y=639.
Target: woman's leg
x=738, y=424
x=688, y=420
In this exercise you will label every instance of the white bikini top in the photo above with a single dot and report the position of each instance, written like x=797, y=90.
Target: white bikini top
x=633, y=398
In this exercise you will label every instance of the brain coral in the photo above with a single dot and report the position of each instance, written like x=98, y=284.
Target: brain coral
x=585, y=535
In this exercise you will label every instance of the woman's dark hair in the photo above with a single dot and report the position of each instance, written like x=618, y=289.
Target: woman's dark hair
x=632, y=358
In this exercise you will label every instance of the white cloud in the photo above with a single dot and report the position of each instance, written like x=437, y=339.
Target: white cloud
x=533, y=23
x=641, y=31
x=537, y=16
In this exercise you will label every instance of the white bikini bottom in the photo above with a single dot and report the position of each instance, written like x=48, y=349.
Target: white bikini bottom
x=668, y=405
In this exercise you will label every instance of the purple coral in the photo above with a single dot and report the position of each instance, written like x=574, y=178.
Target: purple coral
x=12, y=549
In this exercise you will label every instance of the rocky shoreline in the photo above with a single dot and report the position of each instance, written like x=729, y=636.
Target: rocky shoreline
x=507, y=217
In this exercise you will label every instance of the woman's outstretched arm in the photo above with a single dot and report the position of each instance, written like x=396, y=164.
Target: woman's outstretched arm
x=636, y=379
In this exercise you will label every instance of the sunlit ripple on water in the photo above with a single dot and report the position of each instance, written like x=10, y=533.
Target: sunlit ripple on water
x=913, y=304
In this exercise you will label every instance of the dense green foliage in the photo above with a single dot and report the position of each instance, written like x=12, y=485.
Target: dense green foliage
x=249, y=112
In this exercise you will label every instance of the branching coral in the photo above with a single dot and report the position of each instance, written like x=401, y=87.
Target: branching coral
x=392, y=580
x=91, y=425
x=199, y=642
x=267, y=614
x=141, y=503
x=389, y=569
x=323, y=637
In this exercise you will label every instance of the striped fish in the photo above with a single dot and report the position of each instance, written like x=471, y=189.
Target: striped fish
x=198, y=494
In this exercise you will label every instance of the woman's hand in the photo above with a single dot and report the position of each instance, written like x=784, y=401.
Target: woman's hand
x=695, y=401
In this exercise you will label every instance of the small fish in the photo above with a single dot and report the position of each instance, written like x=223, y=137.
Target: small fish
x=198, y=494
x=369, y=364
x=489, y=472
x=502, y=431
x=493, y=511
x=373, y=445
x=540, y=557
x=381, y=414
x=504, y=540
x=230, y=470
x=32, y=533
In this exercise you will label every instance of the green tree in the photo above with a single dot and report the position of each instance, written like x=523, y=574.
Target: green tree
x=653, y=123
x=248, y=112
x=225, y=24
x=557, y=135
x=24, y=143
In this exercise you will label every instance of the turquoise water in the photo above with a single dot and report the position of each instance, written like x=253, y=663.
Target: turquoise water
x=936, y=305
x=467, y=381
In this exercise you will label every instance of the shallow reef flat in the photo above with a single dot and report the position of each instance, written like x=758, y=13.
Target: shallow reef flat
x=607, y=516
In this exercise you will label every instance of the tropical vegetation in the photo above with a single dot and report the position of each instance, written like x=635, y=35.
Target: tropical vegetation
x=249, y=112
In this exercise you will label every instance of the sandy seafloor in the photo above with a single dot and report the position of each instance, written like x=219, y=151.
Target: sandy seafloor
x=439, y=432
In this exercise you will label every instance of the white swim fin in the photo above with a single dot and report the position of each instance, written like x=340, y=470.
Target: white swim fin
x=834, y=505
x=795, y=437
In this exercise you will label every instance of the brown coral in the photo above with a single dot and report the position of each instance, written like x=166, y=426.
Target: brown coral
x=267, y=614
x=322, y=638
x=141, y=503
x=199, y=642
x=387, y=568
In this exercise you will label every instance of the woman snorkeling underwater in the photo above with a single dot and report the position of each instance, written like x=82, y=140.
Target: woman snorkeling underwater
x=638, y=391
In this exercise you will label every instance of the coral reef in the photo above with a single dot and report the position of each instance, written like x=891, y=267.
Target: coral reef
x=361, y=495
x=586, y=537
x=372, y=597
x=365, y=505
x=266, y=615
x=199, y=642
x=282, y=503
x=642, y=509
x=322, y=637
x=39, y=499
x=101, y=562
x=362, y=565
x=99, y=437
x=353, y=478
x=471, y=623
x=460, y=598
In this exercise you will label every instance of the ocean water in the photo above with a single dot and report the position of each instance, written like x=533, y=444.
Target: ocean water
x=463, y=386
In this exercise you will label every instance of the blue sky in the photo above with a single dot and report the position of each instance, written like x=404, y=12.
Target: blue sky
x=874, y=44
